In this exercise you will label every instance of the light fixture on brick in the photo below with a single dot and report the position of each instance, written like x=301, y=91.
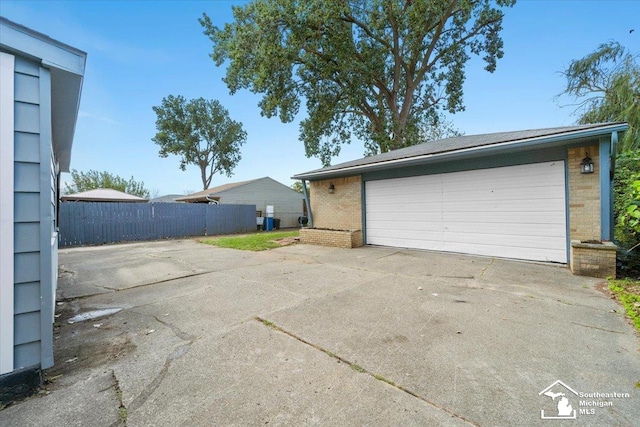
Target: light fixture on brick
x=587, y=165
x=332, y=188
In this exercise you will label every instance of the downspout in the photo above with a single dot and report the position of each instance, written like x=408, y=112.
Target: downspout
x=607, y=154
x=306, y=201
x=612, y=171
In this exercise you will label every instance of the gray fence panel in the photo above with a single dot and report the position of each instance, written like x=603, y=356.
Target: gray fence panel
x=98, y=223
x=226, y=219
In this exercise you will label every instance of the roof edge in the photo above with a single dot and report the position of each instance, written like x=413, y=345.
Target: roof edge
x=51, y=52
x=466, y=152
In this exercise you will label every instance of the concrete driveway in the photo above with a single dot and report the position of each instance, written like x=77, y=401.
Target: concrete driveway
x=306, y=335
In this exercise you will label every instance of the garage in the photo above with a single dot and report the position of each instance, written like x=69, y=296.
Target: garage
x=511, y=212
x=536, y=195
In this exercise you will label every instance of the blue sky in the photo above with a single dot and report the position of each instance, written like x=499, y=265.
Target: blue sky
x=142, y=51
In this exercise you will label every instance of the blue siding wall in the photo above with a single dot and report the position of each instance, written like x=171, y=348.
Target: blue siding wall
x=27, y=248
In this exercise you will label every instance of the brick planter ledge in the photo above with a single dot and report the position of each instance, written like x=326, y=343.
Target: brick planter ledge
x=335, y=238
x=593, y=259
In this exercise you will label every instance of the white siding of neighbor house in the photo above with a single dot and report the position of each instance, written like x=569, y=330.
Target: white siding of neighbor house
x=35, y=199
x=262, y=192
x=7, y=64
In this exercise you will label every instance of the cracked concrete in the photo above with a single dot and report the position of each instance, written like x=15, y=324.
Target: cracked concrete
x=375, y=336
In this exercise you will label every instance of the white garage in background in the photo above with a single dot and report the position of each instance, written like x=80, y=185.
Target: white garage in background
x=511, y=212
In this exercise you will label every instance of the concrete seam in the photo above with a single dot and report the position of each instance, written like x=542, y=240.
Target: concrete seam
x=122, y=409
x=360, y=369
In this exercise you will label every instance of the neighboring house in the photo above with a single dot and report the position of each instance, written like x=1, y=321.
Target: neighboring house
x=102, y=195
x=262, y=192
x=40, y=86
x=515, y=195
x=169, y=198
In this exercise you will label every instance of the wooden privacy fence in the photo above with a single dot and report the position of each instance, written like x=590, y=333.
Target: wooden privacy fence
x=96, y=223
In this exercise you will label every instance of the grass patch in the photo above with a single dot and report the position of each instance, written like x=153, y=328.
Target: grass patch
x=383, y=379
x=251, y=242
x=627, y=291
x=358, y=368
x=269, y=324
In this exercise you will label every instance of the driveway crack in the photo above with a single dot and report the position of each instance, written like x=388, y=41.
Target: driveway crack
x=177, y=331
x=362, y=370
x=177, y=353
x=486, y=267
x=122, y=409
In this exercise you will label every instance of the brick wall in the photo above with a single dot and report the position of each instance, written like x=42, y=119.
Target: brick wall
x=584, y=195
x=341, y=210
x=340, y=239
x=593, y=260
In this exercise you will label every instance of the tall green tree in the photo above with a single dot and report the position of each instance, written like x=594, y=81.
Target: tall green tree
x=297, y=186
x=90, y=180
x=375, y=69
x=606, y=84
x=201, y=133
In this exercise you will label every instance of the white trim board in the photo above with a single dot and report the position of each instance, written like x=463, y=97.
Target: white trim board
x=7, y=67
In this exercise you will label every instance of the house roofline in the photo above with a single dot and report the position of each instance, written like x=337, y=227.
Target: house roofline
x=521, y=144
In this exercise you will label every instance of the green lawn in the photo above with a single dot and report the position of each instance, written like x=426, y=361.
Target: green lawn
x=251, y=242
x=627, y=291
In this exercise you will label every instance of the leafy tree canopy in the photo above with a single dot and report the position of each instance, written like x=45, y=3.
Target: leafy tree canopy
x=297, y=186
x=90, y=180
x=607, y=83
x=201, y=133
x=377, y=69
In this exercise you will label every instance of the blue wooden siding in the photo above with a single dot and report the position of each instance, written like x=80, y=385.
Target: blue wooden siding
x=27, y=226
x=83, y=223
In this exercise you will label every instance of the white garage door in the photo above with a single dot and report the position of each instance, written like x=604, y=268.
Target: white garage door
x=512, y=212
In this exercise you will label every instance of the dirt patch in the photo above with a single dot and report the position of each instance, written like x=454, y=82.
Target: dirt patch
x=85, y=344
x=604, y=288
x=288, y=241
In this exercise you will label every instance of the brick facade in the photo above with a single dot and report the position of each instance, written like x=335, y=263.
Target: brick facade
x=584, y=195
x=337, y=216
x=595, y=260
x=341, y=210
x=336, y=238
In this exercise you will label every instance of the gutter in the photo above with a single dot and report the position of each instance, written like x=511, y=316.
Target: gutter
x=307, y=201
x=467, y=152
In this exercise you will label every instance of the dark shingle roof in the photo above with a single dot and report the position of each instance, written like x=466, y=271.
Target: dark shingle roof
x=461, y=143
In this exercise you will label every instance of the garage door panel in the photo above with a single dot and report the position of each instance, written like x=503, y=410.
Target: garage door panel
x=545, y=254
x=510, y=229
x=521, y=195
x=422, y=235
x=491, y=206
x=530, y=217
x=506, y=240
x=397, y=227
x=424, y=206
x=517, y=175
x=412, y=243
x=514, y=212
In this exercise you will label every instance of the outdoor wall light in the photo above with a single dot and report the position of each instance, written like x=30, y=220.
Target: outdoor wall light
x=331, y=188
x=587, y=165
